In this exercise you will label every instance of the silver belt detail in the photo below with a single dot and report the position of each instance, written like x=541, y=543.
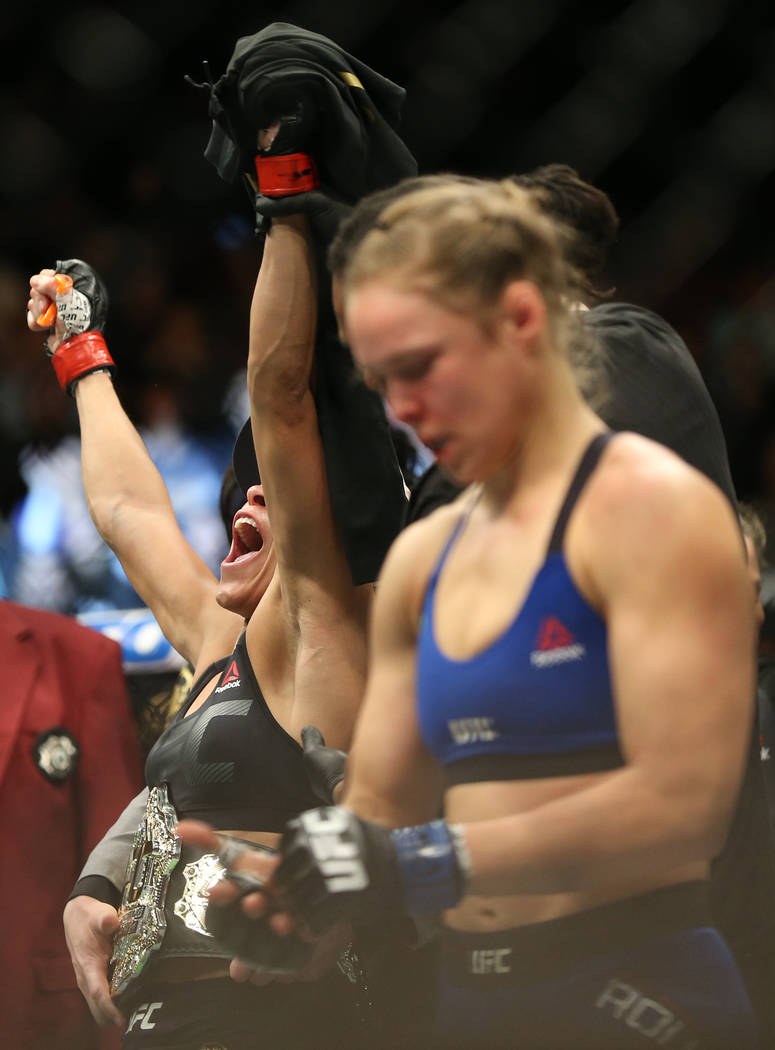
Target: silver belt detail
x=200, y=876
x=142, y=920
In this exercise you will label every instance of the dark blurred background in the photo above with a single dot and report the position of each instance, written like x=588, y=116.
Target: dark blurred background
x=669, y=105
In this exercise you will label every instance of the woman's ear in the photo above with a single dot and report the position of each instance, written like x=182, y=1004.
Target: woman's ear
x=523, y=309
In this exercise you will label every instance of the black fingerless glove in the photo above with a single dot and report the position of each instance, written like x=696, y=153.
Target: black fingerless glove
x=323, y=211
x=253, y=940
x=89, y=284
x=336, y=867
x=323, y=765
x=293, y=107
x=84, y=311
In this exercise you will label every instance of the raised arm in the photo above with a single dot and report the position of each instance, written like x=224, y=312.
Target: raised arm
x=283, y=321
x=130, y=505
x=325, y=614
x=131, y=508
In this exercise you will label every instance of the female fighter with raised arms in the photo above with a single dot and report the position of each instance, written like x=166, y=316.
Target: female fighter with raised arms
x=232, y=754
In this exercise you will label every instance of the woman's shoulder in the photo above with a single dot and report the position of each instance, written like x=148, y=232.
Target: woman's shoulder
x=634, y=464
x=646, y=490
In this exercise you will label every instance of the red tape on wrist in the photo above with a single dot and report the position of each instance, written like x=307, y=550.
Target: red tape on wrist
x=80, y=355
x=286, y=174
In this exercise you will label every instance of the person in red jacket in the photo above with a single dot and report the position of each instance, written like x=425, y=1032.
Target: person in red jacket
x=69, y=759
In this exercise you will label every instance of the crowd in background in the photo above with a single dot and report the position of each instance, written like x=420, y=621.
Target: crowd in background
x=103, y=133
x=174, y=324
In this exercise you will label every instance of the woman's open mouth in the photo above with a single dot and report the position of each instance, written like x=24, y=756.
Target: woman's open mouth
x=246, y=538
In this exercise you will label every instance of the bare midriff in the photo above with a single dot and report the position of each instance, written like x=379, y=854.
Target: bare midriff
x=492, y=799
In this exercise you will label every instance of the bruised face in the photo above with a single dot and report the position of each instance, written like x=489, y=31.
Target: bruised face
x=247, y=569
x=464, y=389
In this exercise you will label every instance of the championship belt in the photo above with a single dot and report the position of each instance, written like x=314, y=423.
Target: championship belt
x=163, y=911
x=141, y=918
x=164, y=901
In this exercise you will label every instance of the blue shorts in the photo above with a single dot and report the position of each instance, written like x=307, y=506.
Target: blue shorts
x=649, y=971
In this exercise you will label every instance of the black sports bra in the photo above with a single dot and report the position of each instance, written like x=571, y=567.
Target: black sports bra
x=231, y=763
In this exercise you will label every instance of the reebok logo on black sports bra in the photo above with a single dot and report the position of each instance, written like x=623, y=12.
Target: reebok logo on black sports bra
x=230, y=678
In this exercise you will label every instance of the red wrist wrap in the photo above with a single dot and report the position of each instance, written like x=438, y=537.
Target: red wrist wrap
x=80, y=355
x=287, y=174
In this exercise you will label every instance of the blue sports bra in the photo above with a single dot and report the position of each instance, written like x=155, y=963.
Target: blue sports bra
x=538, y=701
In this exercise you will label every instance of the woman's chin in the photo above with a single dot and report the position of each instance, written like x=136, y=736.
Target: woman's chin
x=235, y=603
x=241, y=596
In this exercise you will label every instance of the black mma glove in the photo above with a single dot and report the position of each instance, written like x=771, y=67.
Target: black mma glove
x=292, y=106
x=89, y=290
x=83, y=309
x=336, y=867
x=286, y=165
x=323, y=765
x=253, y=940
x=324, y=212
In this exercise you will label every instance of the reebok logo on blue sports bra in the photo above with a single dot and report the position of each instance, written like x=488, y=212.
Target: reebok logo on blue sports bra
x=555, y=644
